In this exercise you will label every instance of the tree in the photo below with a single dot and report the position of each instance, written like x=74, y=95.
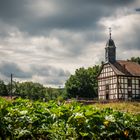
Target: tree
x=12, y=89
x=83, y=83
x=55, y=93
x=135, y=59
x=30, y=90
x=3, y=89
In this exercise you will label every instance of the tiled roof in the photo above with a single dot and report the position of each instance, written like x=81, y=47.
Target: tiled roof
x=126, y=68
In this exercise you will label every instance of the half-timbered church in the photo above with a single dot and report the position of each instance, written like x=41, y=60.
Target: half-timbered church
x=118, y=79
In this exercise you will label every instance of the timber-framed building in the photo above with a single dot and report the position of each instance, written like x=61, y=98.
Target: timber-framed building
x=118, y=79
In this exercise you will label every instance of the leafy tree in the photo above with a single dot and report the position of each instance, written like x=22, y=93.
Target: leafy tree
x=30, y=90
x=14, y=88
x=3, y=89
x=83, y=83
x=135, y=59
x=55, y=93
x=51, y=94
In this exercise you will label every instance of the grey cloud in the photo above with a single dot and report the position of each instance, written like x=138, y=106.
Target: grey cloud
x=6, y=68
x=131, y=40
x=131, y=45
x=49, y=71
x=13, y=9
x=74, y=23
x=72, y=17
x=106, y=2
x=74, y=14
x=137, y=9
x=57, y=81
x=77, y=43
x=50, y=74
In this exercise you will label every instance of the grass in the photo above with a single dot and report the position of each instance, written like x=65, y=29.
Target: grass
x=130, y=107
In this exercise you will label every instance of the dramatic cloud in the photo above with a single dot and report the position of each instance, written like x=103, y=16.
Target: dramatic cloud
x=50, y=75
x=46, y=40
x=46, y=74
x=40, y=17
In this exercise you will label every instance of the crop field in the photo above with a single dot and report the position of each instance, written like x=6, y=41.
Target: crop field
x=25, y=119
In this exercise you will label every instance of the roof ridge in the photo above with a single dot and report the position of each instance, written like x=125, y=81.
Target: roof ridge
x=128, y=61
x=128, y=67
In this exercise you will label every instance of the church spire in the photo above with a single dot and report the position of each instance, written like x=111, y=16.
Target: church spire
x=110, y=32
x=110, y=49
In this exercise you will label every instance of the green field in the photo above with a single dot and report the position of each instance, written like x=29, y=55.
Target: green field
x=25, y=119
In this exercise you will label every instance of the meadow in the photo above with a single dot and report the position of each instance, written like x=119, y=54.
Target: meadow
x=130, y=107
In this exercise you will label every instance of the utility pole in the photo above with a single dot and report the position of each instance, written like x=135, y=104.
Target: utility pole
x=11, y=85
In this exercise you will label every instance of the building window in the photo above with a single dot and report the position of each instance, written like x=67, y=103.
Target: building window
x=129, y=82
x=139, y=83
x=129, y=94
x=107, y=86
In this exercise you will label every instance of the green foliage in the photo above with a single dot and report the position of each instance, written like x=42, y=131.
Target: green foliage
x=33, y=91
x=56, y=94
x=30, y=90
x=24, y=119
x=3, y=89
x=83, y=83
x=135, y=59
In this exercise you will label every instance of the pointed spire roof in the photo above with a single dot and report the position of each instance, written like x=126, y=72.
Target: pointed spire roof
x=110, y=42
x=110, y=32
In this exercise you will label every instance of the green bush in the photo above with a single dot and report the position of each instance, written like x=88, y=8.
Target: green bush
x=24, y=119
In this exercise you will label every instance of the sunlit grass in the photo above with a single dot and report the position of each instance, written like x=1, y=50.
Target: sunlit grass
x=130, y=107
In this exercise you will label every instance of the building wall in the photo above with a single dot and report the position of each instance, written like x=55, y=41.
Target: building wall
x=117, y=87
x=107, y=83
x=129, y=87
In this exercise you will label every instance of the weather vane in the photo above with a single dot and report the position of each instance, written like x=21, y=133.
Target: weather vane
x=110, y=30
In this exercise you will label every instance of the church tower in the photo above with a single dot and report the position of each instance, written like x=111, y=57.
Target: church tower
x=118, y=79
x=110, y=50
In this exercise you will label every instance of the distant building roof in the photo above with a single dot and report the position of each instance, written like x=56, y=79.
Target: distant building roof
x=128, y=68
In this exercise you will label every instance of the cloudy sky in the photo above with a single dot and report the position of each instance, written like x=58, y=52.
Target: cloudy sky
x=47, y=40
